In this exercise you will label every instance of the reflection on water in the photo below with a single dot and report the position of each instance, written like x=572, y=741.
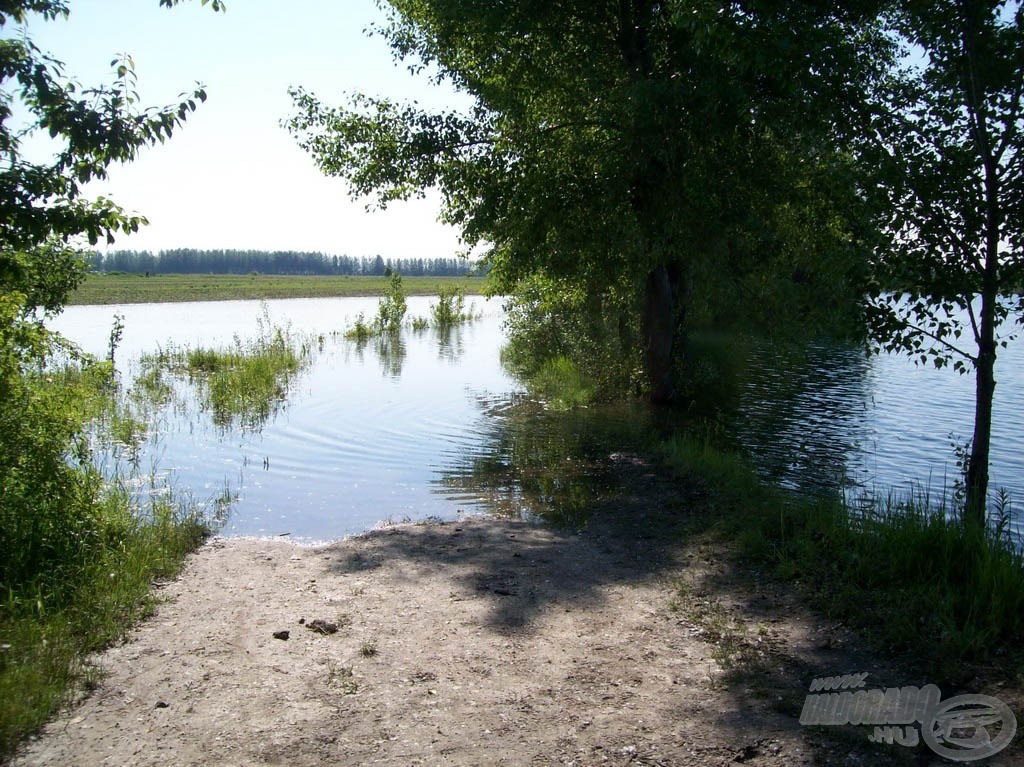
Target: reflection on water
x=428, y=424
x=389, y=350
x=833, y=416
x=803, y=415
x=542, y=465
x=365, y=432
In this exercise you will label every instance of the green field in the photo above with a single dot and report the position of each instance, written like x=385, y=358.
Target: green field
x=139, y=289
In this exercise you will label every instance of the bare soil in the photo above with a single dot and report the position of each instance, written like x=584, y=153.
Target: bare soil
x=478, y=642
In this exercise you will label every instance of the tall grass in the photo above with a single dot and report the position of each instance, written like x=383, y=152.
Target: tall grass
x=910, y=575
x=243, y=384
x=78, y=551
x=47, y=630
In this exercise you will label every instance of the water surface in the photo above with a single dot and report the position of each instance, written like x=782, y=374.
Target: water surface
x=377, y=433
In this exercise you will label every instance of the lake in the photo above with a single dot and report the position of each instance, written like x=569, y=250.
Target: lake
x=374, y=434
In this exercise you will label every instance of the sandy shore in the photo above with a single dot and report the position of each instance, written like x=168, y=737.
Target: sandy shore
x=480, y=642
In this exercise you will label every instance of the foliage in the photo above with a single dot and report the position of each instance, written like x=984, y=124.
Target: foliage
x=649, y=147
x=78, y=552
x=77, y=555
x=560, y=385
x=450, y=308
x=594, y=333
x=392, y=307
x=947, y=143
x=360, y=331
x=41, y=203
x=242, y=385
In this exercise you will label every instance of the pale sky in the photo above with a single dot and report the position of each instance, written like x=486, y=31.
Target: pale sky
x=233, y=177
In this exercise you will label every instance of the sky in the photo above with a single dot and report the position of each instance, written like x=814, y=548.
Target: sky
x=233, y=177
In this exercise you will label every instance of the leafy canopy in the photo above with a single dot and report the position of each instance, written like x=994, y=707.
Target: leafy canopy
x=607, y=142
x=948, y=146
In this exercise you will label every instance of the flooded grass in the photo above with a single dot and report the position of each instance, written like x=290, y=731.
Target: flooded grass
x=243, y=384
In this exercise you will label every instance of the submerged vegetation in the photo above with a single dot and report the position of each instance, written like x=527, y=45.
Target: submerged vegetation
x=240, y=385
x=448, y=311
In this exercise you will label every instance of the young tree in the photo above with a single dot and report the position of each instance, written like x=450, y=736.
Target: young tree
x=949, y=150
x=628, y=148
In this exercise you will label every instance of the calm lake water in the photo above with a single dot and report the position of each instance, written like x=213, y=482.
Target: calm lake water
x=370, y=434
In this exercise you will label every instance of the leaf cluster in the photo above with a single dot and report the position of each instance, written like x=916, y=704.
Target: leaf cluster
x=608, y=138
x=946, y=146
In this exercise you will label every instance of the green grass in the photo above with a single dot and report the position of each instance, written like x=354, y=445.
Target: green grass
x=134, y=288
x=43, y=648
x=78, y=552
x=913, y=579
x=560, y=384
x=243, y=384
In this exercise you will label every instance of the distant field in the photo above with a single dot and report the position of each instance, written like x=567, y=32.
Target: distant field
x=139, y=289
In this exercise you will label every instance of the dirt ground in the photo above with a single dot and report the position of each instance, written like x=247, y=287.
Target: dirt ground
x=477, y=642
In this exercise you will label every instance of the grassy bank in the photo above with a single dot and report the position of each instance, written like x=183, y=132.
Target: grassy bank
x=920, y=586
x=81, y=548
x=916, y=582
x=137, y=288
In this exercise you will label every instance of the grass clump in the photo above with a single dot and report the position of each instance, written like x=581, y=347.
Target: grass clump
x=560, y=384
x=361, y=331
x=243, y=384
x=912, y=577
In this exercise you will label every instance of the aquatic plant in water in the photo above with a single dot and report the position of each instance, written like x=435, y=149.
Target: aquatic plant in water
x=244, y=384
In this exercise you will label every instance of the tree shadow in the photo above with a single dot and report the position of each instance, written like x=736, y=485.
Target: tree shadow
x=582, y=514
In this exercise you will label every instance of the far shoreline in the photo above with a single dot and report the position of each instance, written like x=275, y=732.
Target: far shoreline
x=122, y=288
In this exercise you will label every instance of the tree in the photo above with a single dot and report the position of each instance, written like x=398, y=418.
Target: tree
x=51, y=506
x=42, y=209
x=949, y=147
x=628, y=148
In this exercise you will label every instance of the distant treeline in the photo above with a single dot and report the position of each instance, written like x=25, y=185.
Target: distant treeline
x=190, y=261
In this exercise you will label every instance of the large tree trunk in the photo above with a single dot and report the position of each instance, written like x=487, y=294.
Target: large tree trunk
x=658, y=328
x=662, y=309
